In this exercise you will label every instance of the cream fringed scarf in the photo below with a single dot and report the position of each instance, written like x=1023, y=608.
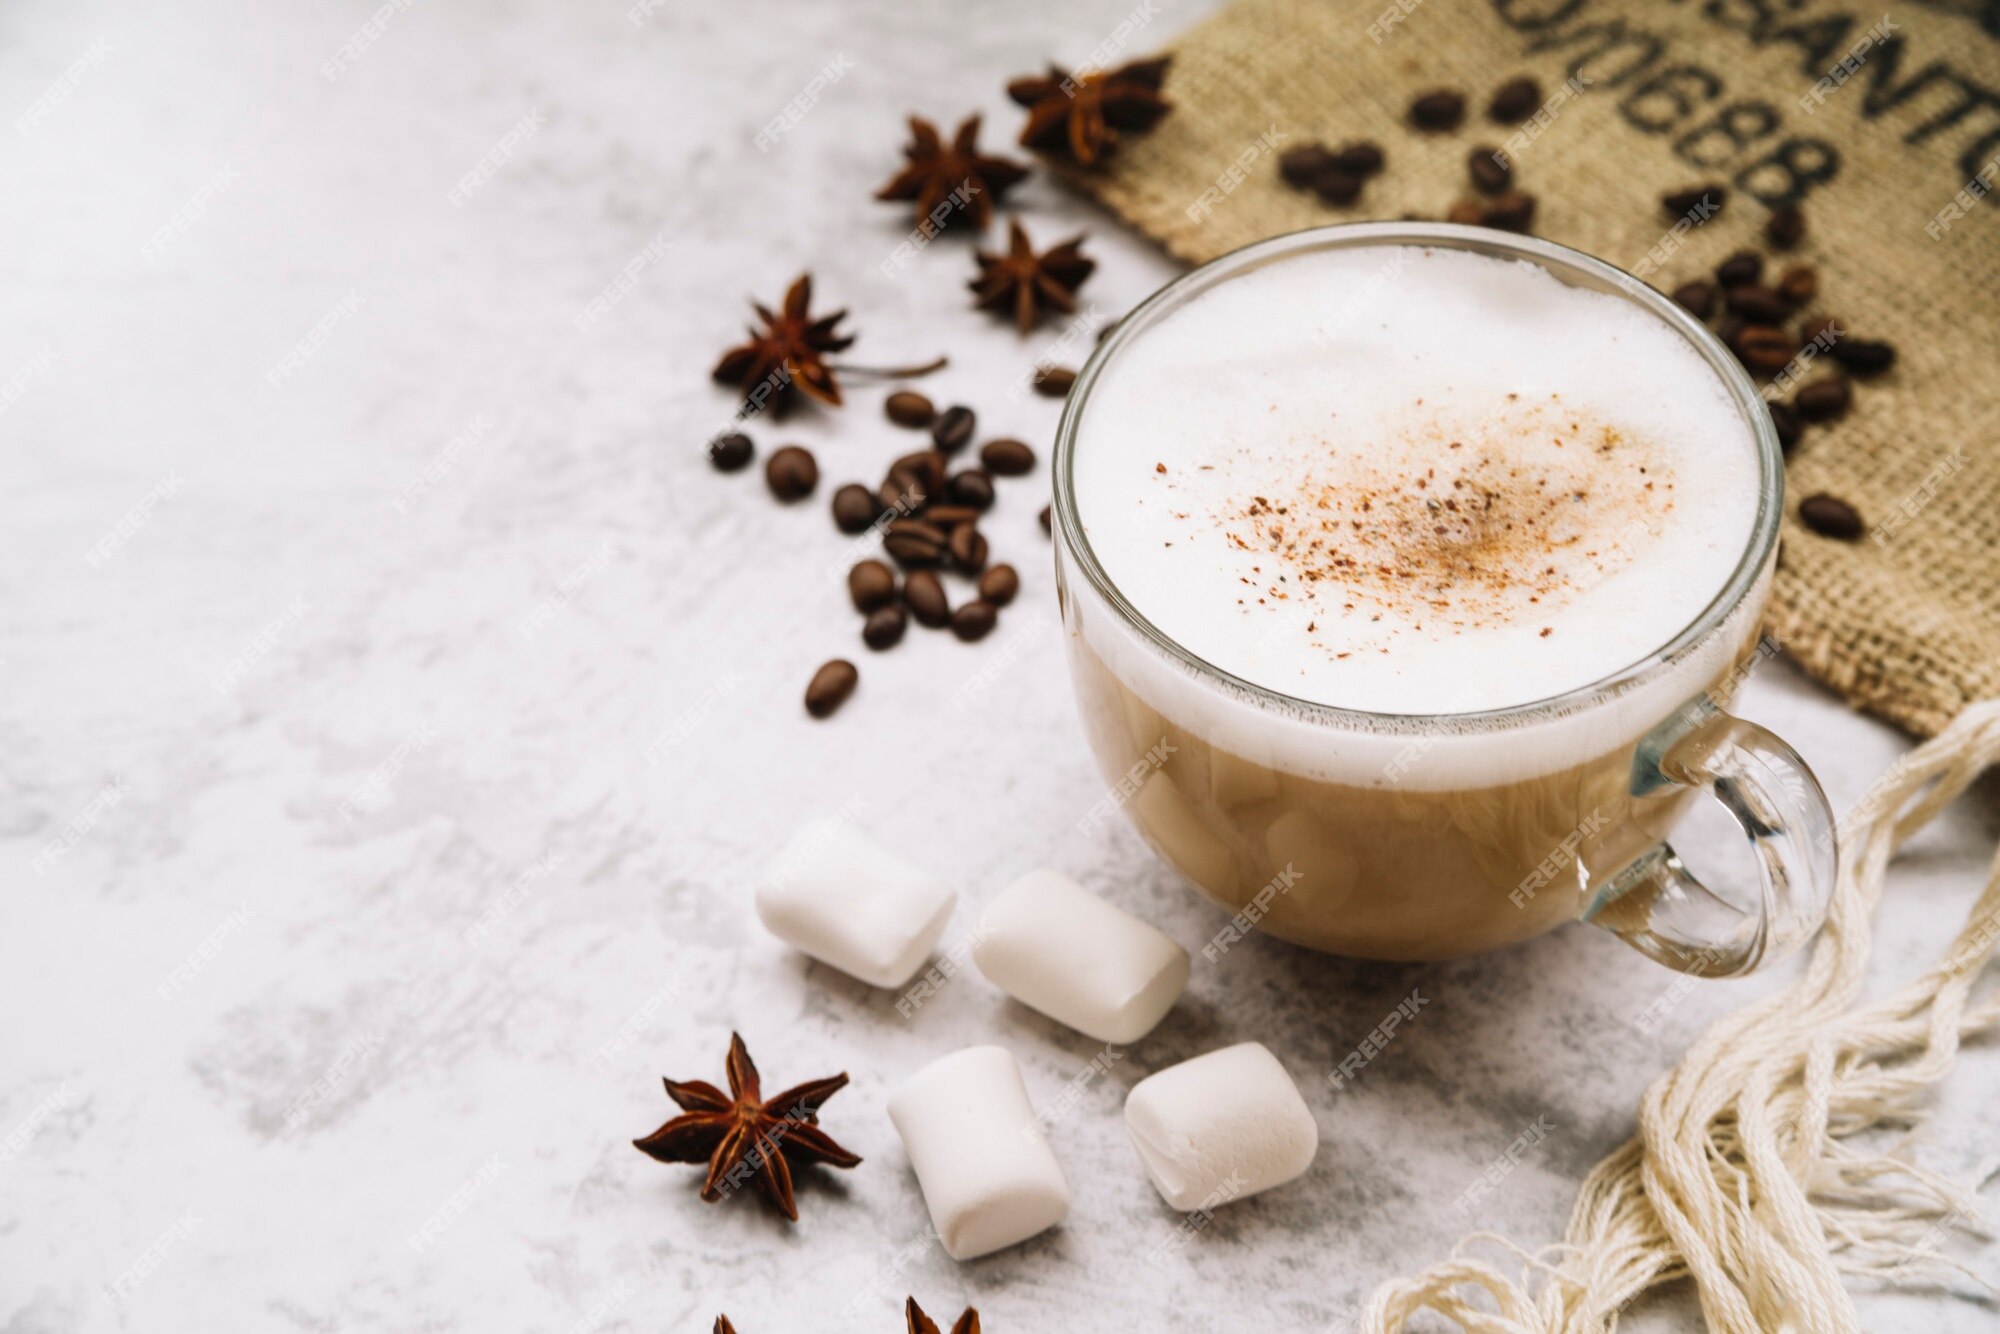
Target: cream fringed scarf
x=1744, y=1174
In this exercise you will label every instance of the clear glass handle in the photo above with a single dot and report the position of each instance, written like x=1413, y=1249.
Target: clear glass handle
x=1657, y=904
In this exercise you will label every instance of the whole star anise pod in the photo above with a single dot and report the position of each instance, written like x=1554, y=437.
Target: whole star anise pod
x=787, y=354
x=1083, y=113
x=1028, y=283
x=740, y=1134
x=919, y=1323
x=952, y=180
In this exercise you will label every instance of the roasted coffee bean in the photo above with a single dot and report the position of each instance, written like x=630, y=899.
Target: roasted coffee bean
x=968, y=548
x=1055, y=381
x=973, y=621
x=731, y=452
x=1511, y=212
x=1336, y=186
x=1362, y=158
x=1864, y=356
x=1007, y=458
x=1467, y=212
x=1799, y=284
x=830, y=687
x=953, y=430
x=871, y=584
x=906, y=407
x=855, y=508
x=971, y=488
x=1708, y=198
x=1514, y=101
x=1785, y=228
x=1830, y=516
x=1729, y=328
x=1758, y=304
x=1300, y=165
x=1441, y=109
x=1740, y=269
x=914, y=544
x=1490, y=172
x=1825, y=399
x=1047, y=526
x=791, y=473
x=1785, y=418
x=949, y=517
x=923, y=594
x=884, y=627
x=1823, y=329
x=914, y=480
x=1764, y=348
x=1696, y=298
x=999, y=585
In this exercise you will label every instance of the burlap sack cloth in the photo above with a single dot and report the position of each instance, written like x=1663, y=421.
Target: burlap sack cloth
x=1883, y=132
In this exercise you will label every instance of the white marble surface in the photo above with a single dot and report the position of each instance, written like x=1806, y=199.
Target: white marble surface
x=267, y=1018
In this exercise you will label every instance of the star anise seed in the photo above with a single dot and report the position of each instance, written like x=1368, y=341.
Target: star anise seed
x=919, y=1323
x=1084, y=113
x=951, y=181
x=1029, y=284
x=741, y=1134
x=788, y=354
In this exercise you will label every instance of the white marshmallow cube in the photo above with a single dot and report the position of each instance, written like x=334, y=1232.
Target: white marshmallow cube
x=986, y=1171
x=1220, y=1127
x=846, y=900
x=1054, y=946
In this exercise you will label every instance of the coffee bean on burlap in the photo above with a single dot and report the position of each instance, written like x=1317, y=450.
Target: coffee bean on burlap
x=1441, y=109
x=1825, y=399
x=1696, y=298
x=1785, y=418
x=1337, y=187
x=1300, y=165
x=1514, y=101
x=1680, y=203
x=1758, y=304
x=1799, y=284
x=1786, y=227
x=1764, y=348
x=1511, y=212
x=1830, y=516
x=1740, y=269
x=1363, y=158
x=1864, y=356
x=1490, y=172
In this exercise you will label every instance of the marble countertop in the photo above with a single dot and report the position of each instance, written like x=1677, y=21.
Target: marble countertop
x=398, y=710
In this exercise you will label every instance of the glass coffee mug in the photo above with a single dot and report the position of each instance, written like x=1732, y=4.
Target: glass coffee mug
x=1473, y=830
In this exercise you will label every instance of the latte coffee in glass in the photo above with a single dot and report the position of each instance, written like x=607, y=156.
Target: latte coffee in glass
x=1405, y=572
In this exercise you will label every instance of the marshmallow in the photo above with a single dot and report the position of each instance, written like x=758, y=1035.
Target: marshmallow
x=985, y=1170
x=1054, y=946
x=846, y=900
x=1220, y=1127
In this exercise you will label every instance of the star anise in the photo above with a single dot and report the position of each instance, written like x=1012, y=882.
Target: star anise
x=788, y=354
x=968, y=1320
x=956, y=178
x=1083, y=113
x=1028, y=283
x=740, y=1134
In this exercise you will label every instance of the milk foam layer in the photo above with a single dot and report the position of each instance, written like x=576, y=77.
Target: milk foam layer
x=1414, y=481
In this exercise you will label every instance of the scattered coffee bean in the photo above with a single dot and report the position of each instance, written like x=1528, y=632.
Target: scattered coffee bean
x=914, y=480
x=1785, y=418
x=971, y=488
x=1799, y=284
x=1514, y=101
x=906, y=407
x=1361, y=158
x=1441, y=109
x=949, y=517
x=1825, y=399
x=1467, y=213
x=791, y=473
x=1696, y=298
x=855, y=508
x=1830, y=516
x=1786, y=227
x=968, y=548
x=953, y=430
x=884, y=627
x=923, y=594
x=1764, y=349
x=1758, y=304
x=1007, y=458
x=1729, y=328
x=1823, y=329
x=1511, y=212
x=871, y=584
x=1708, y=198
x=999, y=585
x=1740, y=269
x=1047, y=526
x=1054, y=381
x=1490, y=172
x=914, y=544
x=830, y=687
x=1299, y=166
x=731, y=452
x=1864, y=356
x=1337, y=187
x=973, y=621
